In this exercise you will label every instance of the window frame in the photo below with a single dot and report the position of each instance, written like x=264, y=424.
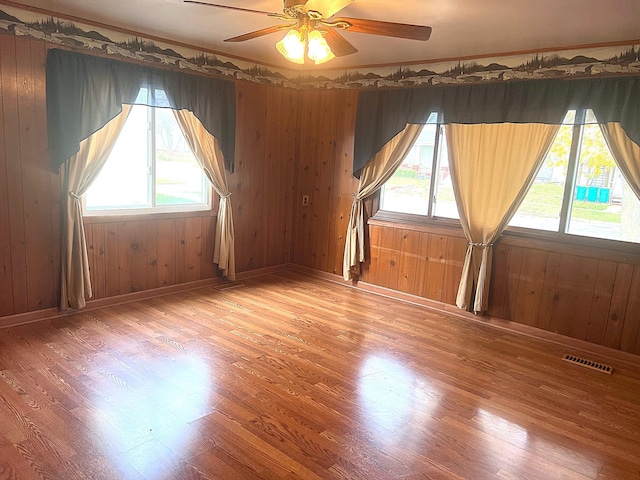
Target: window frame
x=153, y=209
x=433, y=182
x=561, y=236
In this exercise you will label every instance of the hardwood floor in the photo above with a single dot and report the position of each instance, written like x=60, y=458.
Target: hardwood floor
x=290, y=377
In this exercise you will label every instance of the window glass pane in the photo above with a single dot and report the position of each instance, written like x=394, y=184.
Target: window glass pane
x=160, y=98
x=542, y=204
x=445, y=205
x=590, y=117
x=149, y=168
x=123, y=182
x=143, y=95
x=179, y=178
x=603, y=204
x=407, y=191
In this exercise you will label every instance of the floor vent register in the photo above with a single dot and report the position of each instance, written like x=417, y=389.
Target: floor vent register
x=584, y=362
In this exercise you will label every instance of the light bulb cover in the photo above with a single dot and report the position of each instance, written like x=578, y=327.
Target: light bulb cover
x=292, y=46
x=319, y=50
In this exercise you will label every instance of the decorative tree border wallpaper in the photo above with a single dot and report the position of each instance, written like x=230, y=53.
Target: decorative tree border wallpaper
x=612, y=60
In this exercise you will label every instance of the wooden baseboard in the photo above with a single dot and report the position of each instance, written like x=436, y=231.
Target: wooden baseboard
x=53, y=313
x=30, y=317
x=152, y=293
x=259, y=272
x=572, y=344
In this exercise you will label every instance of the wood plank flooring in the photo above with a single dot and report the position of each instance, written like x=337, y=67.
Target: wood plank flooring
x=289, y=377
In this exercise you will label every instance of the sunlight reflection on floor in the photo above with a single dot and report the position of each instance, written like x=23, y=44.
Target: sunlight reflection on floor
x=394, y=398
x=148, y=424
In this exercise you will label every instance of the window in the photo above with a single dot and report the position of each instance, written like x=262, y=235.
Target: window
x=414, y=188
x=150, y=169
x=578, y=190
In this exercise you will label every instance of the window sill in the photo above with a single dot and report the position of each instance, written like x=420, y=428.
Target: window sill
x=418, y=223
x=602, y=249
x=96, y=219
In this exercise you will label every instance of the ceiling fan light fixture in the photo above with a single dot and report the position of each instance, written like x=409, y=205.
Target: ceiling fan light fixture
x=311, y=21
x=292, y=46
x=319, y=50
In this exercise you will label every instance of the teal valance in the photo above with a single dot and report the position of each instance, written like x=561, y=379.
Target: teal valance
x=85, y=92
x=382, y=114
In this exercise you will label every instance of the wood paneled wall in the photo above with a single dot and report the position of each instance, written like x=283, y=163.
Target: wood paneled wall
x=29, y=193
x=578, y=292
x=324, y=152
x=132, y=254
x=289, y=144
x=262, y=185
x=591, y=297
x=420, y=263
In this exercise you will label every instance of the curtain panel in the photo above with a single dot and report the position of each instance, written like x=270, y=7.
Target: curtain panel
x=206, y=149
x=382, y=114
x=85, y=92
x=78, y=173
x=374, y=175
x=492, y=168
x=625, y=152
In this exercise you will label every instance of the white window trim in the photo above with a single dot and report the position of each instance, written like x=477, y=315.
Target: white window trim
x=130, y=211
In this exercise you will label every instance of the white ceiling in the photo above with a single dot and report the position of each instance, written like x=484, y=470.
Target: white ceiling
x=461, y=28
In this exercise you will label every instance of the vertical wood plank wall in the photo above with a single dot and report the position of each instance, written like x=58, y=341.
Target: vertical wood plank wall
x=132, y=255
x=289, y=144
x=586, y=294
x=262, y=184
x=29, y=194
x=325, y=152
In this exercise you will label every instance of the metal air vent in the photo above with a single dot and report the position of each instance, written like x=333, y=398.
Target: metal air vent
x=584, y=362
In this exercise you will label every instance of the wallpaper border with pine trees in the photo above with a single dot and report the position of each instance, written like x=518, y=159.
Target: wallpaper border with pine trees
x=584, y=62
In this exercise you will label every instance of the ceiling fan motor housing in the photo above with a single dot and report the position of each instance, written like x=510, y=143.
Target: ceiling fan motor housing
x=294, y=3
x=312, y=17
x=293, y=7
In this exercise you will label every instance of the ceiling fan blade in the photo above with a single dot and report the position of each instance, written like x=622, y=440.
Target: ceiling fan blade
x=338, y=44
x=387, y=29
x=228, y=7
x=258, y=33
x=328, y=8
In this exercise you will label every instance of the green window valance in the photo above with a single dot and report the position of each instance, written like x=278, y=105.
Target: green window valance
x=85, y=92
x=382, y=114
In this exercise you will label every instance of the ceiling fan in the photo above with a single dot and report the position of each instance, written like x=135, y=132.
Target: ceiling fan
x=313, y=32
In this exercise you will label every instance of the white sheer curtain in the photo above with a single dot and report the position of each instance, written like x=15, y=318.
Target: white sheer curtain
x=206, y=149
x=77, y=174
x=374, y=174
x=492, y=167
